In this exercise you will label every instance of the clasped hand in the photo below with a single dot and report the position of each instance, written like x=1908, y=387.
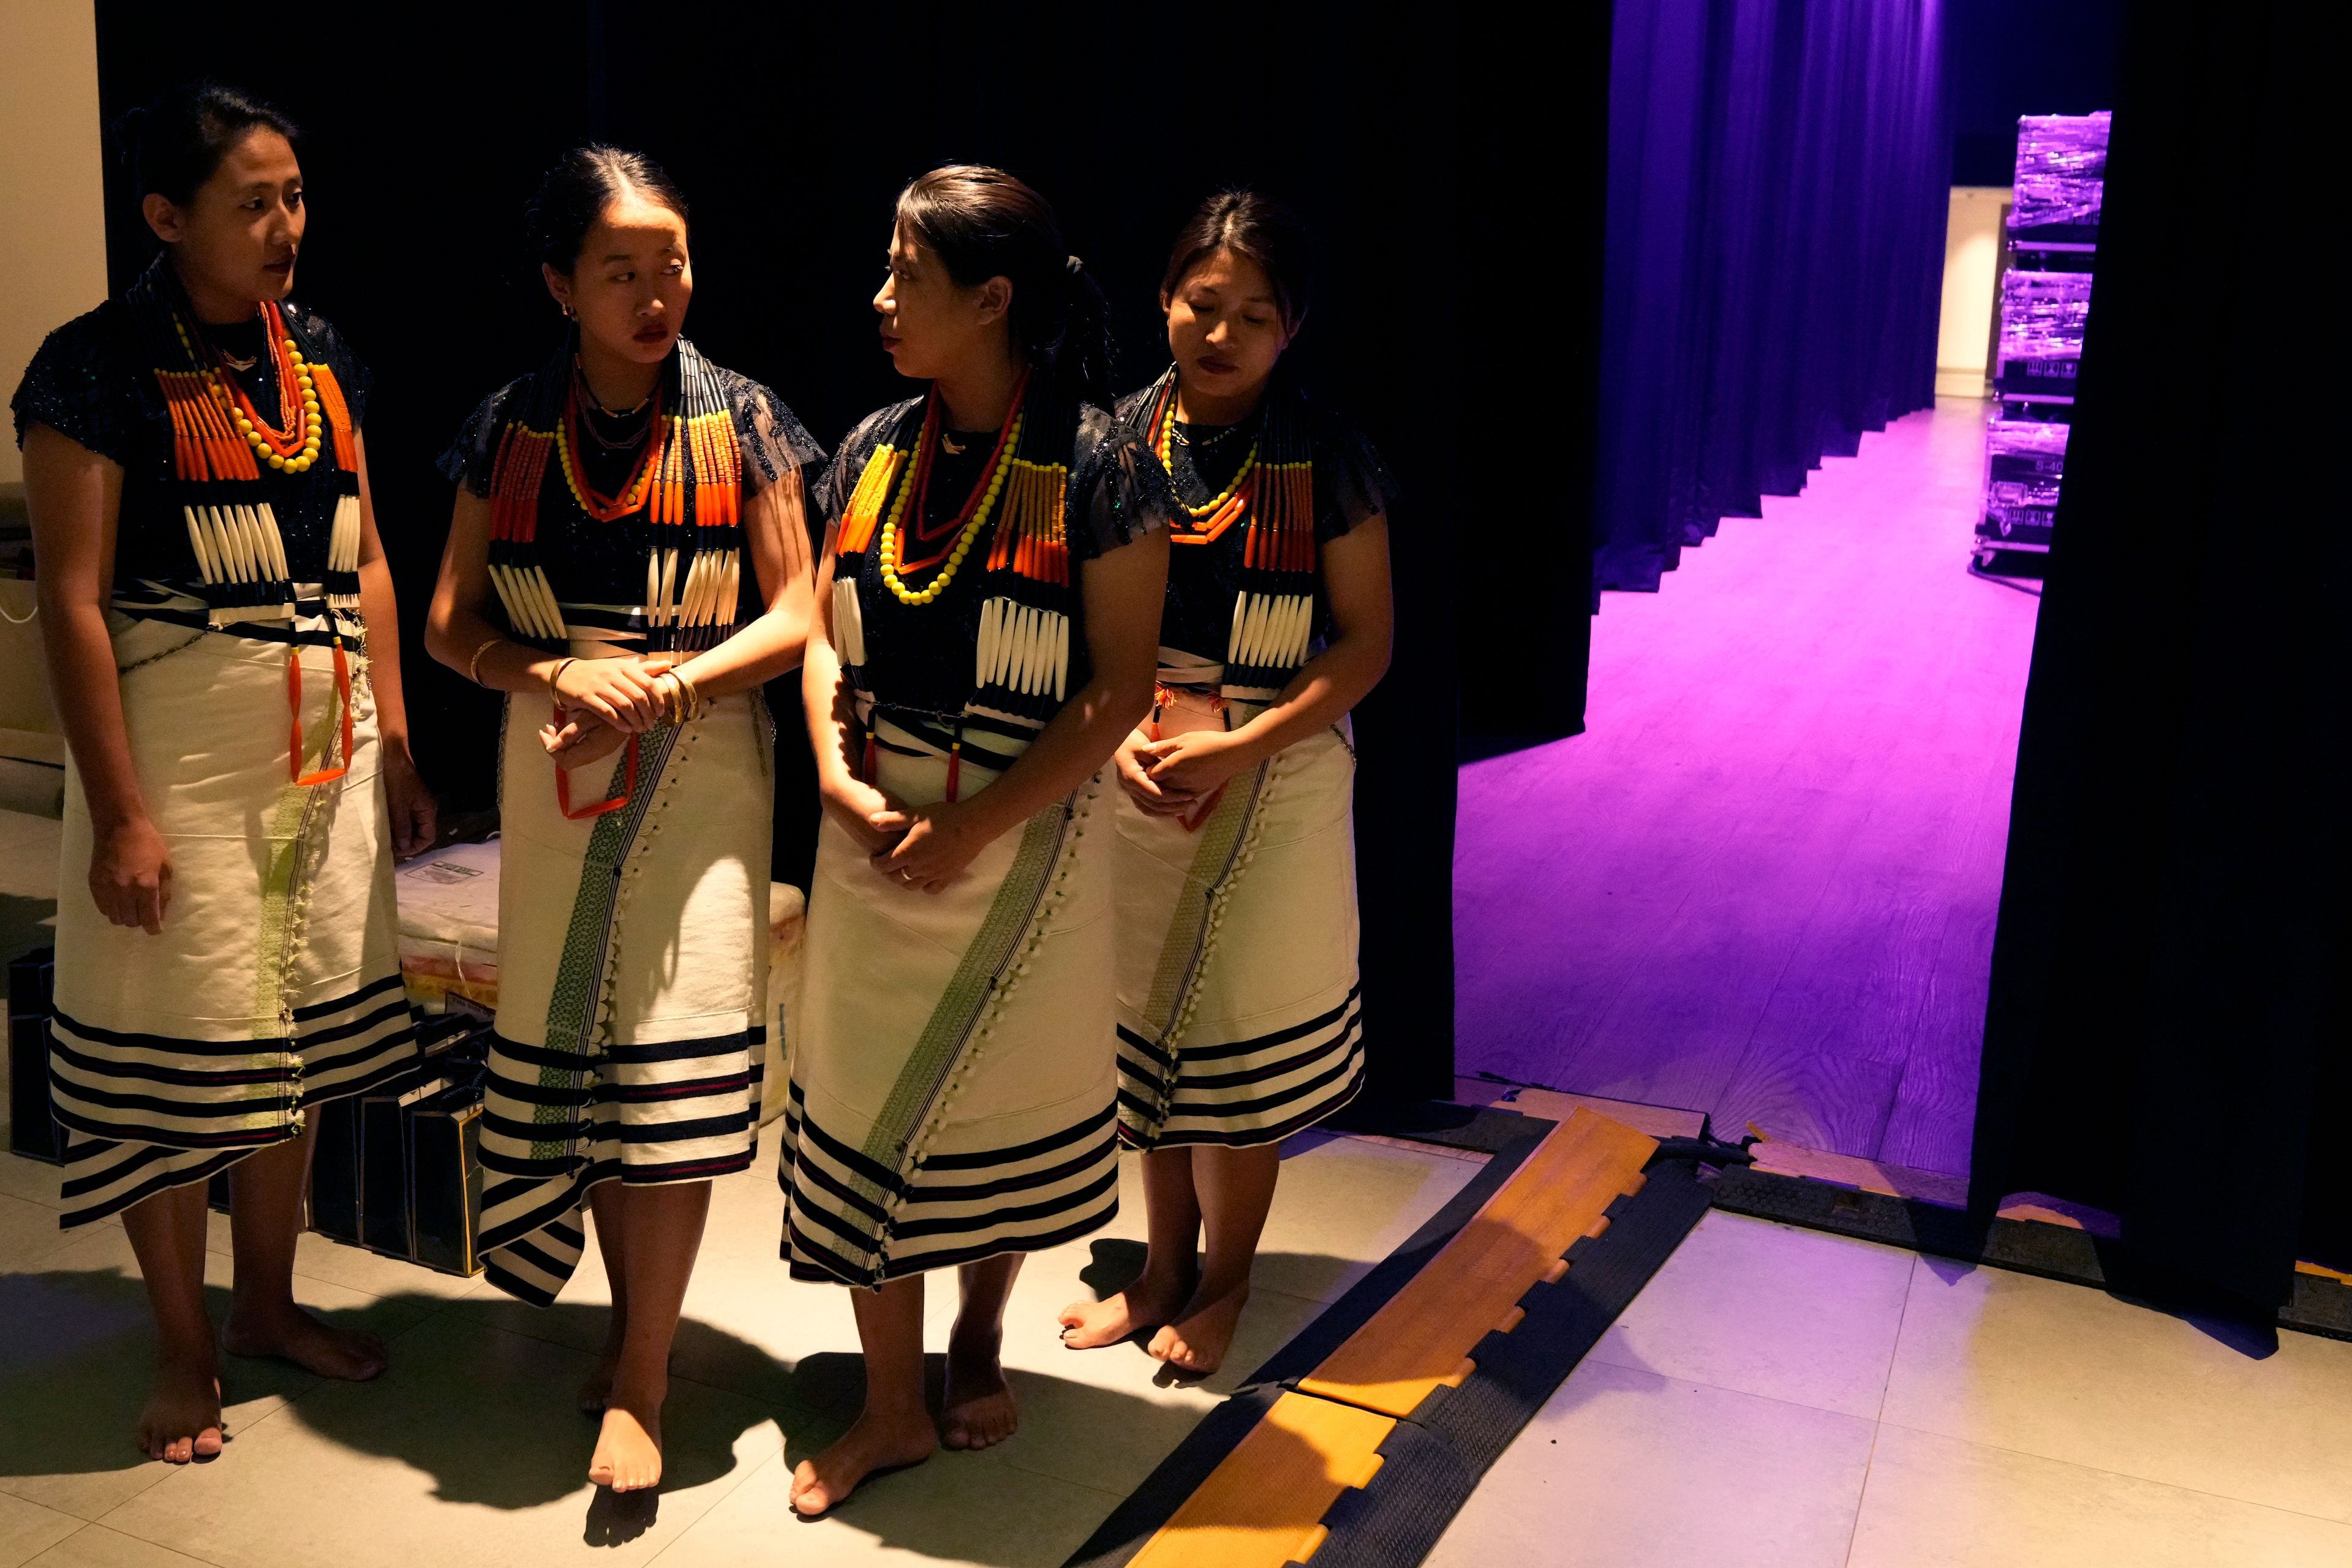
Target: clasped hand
x=1173, y=777
x=601, y=703
x=915, y=847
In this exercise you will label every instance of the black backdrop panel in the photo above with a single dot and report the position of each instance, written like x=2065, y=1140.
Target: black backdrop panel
x=2166, y=1035
x=791, y=128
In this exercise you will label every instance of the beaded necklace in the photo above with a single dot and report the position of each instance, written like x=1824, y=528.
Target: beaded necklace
x=1273, y=493
x=220, y=442
x=1015, y=520
x=682, y=504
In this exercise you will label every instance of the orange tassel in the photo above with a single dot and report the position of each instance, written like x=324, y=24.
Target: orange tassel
x=183, y=443
x=338, y=414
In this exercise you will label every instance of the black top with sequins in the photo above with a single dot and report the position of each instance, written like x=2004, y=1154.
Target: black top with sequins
x=93, y=381
x=597, y=569
x=1351, y=484
x=920, y=657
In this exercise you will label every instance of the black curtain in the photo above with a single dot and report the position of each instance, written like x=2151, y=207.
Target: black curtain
x=1777, y=180
x=1536, y=125
x=791, y=127
x=2166, y=1034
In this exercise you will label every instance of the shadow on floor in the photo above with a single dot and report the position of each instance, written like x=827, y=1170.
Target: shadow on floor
x=490, y=1414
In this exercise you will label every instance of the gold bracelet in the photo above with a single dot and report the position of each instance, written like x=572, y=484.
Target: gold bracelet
x=557, y=674
x=695, y=706
x=672, y=695
x=474, y=665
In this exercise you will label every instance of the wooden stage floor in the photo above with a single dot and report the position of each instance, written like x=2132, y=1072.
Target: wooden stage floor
x=1763, y=884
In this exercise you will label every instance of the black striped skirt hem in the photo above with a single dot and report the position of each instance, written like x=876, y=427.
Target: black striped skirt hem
x=1241, y=1093
x=145, y=1112
x=849, y=1220
x=555, y=1124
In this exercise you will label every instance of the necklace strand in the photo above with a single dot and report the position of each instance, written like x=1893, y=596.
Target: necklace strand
x=975, y=511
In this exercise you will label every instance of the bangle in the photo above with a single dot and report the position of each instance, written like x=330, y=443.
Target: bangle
x=557, y=674
x=695, y=705
x=474, y=665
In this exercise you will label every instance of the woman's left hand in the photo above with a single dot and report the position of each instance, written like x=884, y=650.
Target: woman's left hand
x=1193, y=763
x=415, y=817
x=581, y=738
x=941, y=840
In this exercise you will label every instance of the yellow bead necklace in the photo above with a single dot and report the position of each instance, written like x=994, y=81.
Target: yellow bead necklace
x=300, y=457
x=1168, y=430
x=962, y=547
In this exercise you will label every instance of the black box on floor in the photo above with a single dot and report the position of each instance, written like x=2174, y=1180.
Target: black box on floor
x=33, y=1131
x=384, y=1175
x=335, y=1171
x=445, y=1173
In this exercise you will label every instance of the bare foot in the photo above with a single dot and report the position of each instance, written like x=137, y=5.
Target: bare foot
x=1148, y=1302
x=876, y=1442
x=182, y=1418
x=977, y=1410
x=628, y=1455
x=1196, y=1343
x=287, y=1332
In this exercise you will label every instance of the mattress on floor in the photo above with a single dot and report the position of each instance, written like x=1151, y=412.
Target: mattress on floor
x=448, y=910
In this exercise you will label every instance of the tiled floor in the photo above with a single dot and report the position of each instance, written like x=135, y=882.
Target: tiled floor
x=1781, y=1398
x=1777, y=1397
x=469, y=1450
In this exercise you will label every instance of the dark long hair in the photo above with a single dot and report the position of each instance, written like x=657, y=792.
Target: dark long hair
x=983, y=223
x=174, y=144
x=1259, y=228
x=574, y=193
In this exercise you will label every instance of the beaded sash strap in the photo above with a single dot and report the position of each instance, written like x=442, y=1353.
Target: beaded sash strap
x=1271, y=501
x=682, y=504
x=1017, y=513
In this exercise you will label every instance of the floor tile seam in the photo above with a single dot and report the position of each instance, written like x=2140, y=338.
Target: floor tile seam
x=2344, y=1521
x=1862, y=1493
x=696, y=1522
x=1728, y=1388
x=8, y=1485
x=135, y=1535
x=80, y=1524
x=1115, y=1496
x=1894, y=1345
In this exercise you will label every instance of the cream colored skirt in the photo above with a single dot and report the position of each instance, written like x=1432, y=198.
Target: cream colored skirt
x=275, y=983
x=952, y=1080
x=1238, y=1016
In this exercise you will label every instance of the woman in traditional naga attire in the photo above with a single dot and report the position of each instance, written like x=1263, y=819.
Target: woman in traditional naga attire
x=989, y=596
x=628, y=562
x=1237, y=998
x=223, y=647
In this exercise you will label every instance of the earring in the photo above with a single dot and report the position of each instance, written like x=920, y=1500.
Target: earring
x=566, y=306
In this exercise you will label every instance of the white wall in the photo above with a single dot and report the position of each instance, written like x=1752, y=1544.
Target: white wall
x=1972, y=239
x=52, y=226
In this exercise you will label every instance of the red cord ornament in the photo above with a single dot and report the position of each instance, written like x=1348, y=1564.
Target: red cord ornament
x=294, y=707
x=563, y=785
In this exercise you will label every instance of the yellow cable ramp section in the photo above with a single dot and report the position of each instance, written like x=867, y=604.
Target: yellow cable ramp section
x=1263, y=1505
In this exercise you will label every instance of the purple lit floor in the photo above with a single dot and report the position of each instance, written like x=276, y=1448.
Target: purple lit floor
x=1763, y=884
